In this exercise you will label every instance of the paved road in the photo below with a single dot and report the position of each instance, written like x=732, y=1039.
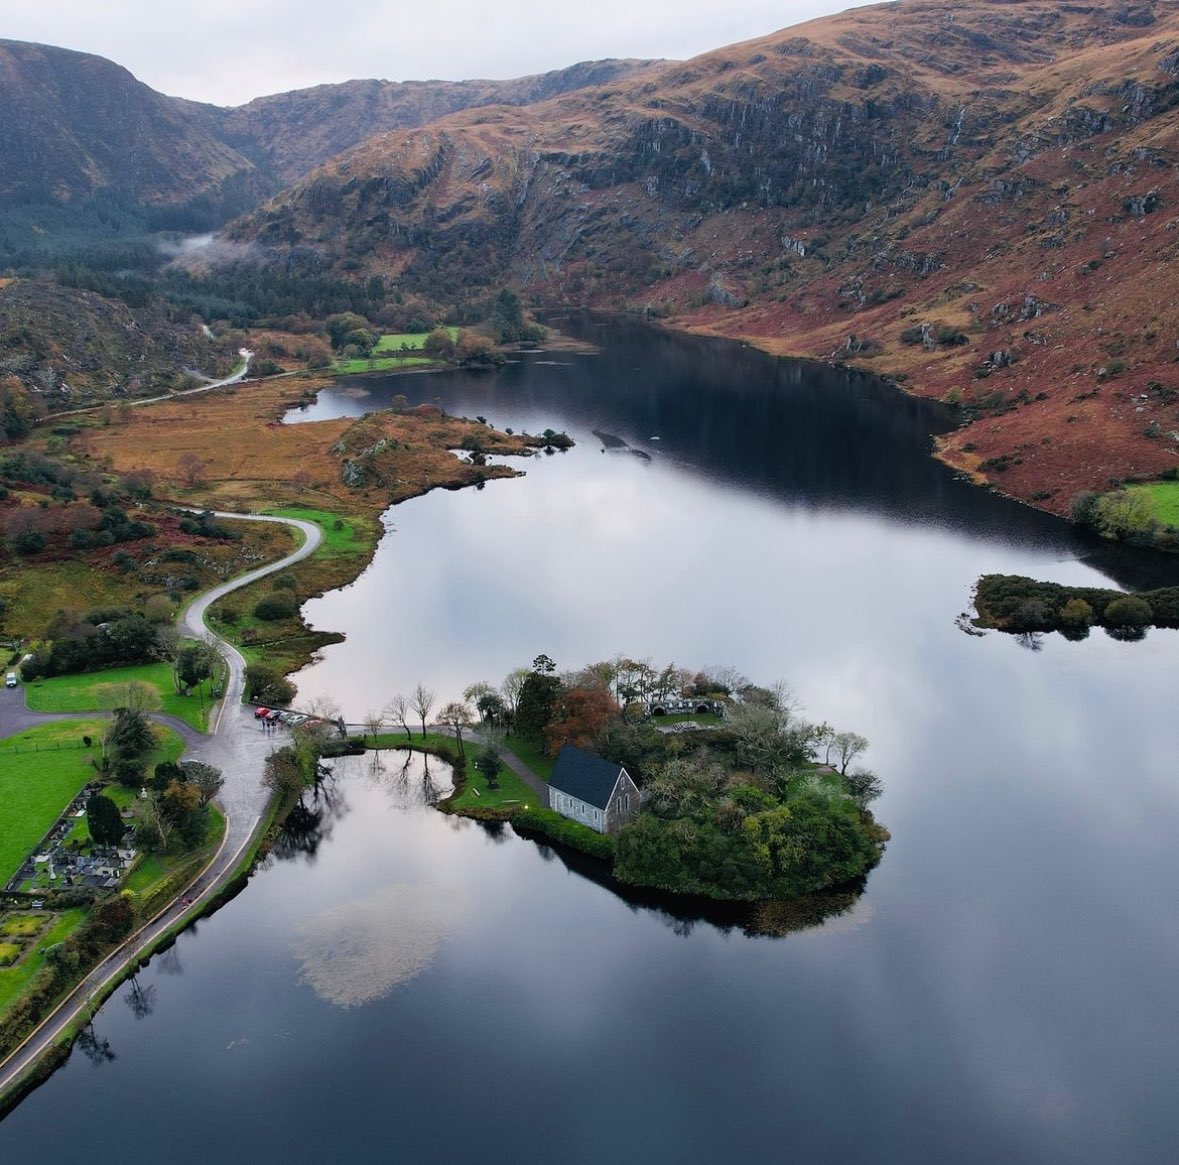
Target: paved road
x=237, y=746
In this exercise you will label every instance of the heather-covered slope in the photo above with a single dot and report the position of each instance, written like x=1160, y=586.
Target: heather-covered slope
x=69, y=348
x=976, y=196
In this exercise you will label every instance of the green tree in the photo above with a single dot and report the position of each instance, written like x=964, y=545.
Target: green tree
x=1128, y=611
x=193, y=664
x=267, y=685
x=490, y=764
x=204, y=778
x=439, y=344
x=130, y=738
x=538, y=701
x=340, y=325
x=103, y=820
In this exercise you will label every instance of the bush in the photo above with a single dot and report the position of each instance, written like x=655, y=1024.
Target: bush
x=560, y=829
x=1128, y=611
x=265, y=685
x=277, y=605
x=1076, y=613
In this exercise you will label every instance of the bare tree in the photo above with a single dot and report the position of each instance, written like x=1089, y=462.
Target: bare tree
x=373, y=722
x=134, y=695
x=191, y=469
x=398, y=711
x=512, y=686
x=140, y=999
x=422, y=701
x=848, y=746
x=457, y=716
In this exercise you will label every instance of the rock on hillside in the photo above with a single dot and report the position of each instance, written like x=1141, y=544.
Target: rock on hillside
x=978, y=196
x=72, y=348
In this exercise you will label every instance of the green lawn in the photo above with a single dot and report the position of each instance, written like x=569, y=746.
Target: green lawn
x=532, y=754
x=37, y=783
x=380, y=364
x=1165, y=496
x=414, y=341
x=13, y=980
x=337, y=540
x=40, y=774
x=512, y=793
x=77, y=693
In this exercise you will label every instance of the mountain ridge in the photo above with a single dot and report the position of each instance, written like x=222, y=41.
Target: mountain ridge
x=934, y=188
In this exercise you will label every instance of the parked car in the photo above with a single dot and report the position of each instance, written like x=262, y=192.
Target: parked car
x=10, y=680
x=259, y=713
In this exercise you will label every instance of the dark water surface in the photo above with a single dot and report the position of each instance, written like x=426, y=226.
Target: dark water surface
x=414, y=988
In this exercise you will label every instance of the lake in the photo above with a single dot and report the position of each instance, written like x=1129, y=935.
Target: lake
x=398, y=984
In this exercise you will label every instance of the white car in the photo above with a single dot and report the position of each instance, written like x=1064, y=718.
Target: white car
x=10, y=680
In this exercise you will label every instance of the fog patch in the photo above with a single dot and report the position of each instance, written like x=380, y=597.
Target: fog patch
x=359, y=951
x=200, y=252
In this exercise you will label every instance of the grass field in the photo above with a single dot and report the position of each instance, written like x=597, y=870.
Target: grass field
x=393, y=352
x=401, y=341
x=1165, y=496
x=78, y=693
x=39, y=781
x=381, y=364
x=35, y=786
x=341, y=535
x=532, y=754
x=511, y=794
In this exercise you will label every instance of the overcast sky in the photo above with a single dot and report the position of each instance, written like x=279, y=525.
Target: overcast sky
x=229, y=51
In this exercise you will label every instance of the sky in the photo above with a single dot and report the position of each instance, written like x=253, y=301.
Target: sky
x=230, y=51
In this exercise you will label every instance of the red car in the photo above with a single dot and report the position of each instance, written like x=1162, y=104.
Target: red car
x=260, y=712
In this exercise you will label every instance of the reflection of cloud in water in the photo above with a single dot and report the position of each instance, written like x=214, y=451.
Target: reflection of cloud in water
x=359, y=951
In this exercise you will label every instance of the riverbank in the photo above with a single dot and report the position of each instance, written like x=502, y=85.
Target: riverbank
x=238, y=753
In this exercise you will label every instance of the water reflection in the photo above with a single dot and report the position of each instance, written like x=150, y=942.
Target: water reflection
x=359, y=951
x=683, y=913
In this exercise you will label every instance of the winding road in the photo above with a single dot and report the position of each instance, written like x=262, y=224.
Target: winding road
x=237, y=746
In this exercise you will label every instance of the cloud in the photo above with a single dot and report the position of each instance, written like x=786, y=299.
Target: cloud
x=228, y=52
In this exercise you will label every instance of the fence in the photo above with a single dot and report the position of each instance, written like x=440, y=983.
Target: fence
x=56, y=746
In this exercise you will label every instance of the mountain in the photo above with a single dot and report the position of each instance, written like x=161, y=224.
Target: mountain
x=289, y=134
x=974, y=196
x=73, y=126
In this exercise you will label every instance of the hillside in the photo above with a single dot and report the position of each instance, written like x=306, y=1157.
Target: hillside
x=68, y=348
x=289, y=134
x=977, y=197
x=75, y=125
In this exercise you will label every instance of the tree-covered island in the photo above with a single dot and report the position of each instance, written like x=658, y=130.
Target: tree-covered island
x=741, y=797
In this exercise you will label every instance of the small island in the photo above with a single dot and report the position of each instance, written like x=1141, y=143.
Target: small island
x=1025, y=606
x=695, y=783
